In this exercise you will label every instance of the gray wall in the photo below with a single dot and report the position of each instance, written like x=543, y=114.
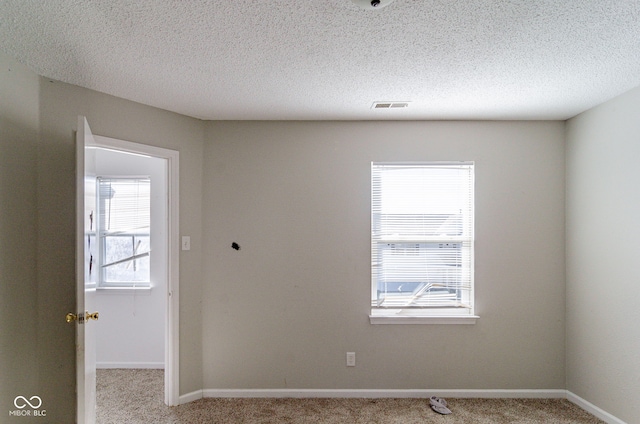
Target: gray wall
x=117, y=118
x=19, y=120
x=603, y=265
x=282, y=311
x=37, y=214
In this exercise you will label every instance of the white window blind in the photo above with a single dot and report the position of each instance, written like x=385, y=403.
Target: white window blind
x=422, y=238
x=124, y=223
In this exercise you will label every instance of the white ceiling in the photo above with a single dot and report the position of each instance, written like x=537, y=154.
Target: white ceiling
x=330, y=59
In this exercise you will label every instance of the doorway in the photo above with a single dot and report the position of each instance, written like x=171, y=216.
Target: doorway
x=130, y=251
x=138, y=326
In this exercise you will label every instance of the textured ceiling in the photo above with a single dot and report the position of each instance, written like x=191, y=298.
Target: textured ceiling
x=330, y=59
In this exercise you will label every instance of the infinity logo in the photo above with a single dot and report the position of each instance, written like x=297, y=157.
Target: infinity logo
x=26, y=402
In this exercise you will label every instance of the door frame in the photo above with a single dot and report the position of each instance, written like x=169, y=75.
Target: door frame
x=172, y=341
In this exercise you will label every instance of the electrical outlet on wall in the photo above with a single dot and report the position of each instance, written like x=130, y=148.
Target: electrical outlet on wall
x=351, y=359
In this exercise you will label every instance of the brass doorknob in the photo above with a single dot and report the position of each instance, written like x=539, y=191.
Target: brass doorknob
x=87, y=316
x=94, y=316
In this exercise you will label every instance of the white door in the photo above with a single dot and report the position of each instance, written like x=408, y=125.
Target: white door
x=85, y=272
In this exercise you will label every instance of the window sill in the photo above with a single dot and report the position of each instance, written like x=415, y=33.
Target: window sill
x=124, y=290
x=468, y=319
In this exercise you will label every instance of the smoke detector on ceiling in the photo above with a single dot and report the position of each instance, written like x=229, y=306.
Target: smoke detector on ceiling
x=372, y=4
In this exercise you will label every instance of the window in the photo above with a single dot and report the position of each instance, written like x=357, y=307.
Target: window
x=422, y=241
x=124, y=223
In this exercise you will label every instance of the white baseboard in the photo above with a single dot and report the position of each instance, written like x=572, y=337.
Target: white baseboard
x=145, y=365
x=373, y=394
x=592, y=409
x=190, y=397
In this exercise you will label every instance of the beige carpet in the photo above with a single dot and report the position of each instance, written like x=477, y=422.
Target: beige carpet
x=136, y=397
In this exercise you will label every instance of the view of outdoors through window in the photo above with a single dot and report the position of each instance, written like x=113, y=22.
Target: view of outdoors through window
x=124, y=229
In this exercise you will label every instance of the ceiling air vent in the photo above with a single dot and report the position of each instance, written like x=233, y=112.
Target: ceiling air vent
x=389, y=105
